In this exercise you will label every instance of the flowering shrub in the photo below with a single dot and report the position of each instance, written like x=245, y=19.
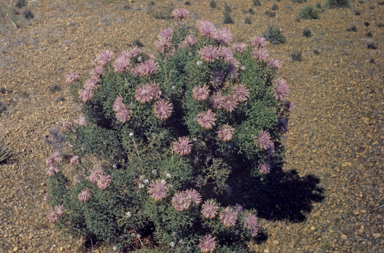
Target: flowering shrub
x=176, y=130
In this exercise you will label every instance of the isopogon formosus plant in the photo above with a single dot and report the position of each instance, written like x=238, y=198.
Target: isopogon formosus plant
x=178, y=132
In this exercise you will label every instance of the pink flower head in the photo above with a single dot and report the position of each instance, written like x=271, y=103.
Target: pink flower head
x=229, y=103
x=54, y=216
x=288, y=106
x=260, y=54
x=158, y=190
x=81, y=121
x=91, y=83
x=163, y=109
x=84, y=195
x=240, y=92
x=200, y=93
x=59, y=210
x=86, y=94
x=239, y=208
x=97, y=71
x=217, y=78
x=188, y=42
x=118, y=104
x=51, y=171
x=223, y=36
x=143, y=93
x=155, y=90
x=217, y=100
x=206, y=119
x=124, y=114
x=183, y=146
x=239, y=47
x=95, y=174
x=209, y=209
x=103, y=58
x=163, y=44
x=274, y=64
x=103, y=182
x=74, y=160
x=134, y=53
x=121, y=64
x=66, y=125
x=281, y=89
x=264, y=168
x=207, y=244
x=226, y=132
x=145, y=69
x=77, y=178
x=228, y=217
x=206, y=28
x=53, y=158
x=180, y=13
x=181, y=201
x=263, y=140
x=72, y=77
x=194, y=195
x=251, y=223
x=208, y=53
x=166, y=34
x=258, y=42
x=232, y=68
x=225, y=54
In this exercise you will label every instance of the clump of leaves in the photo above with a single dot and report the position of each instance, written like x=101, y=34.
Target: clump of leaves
x=212, y=4
x=4, y=153
x=318, y=5
x=372, y=45
x=352, y=29
x=3, y=108
x=248, y=20
x=274, y=35
x=227, y=8
x=270, y=14
x=28, y=14
x=228, y=18
x=307, y=33
x=275, y=7
x=296, y=56
x=21, y=3
x=369, y=34
x=338, y=4
x=54, y=88
x=137, y=43
x=256, y=3
x=316, y=52
x=299, y=1
x=309, y=12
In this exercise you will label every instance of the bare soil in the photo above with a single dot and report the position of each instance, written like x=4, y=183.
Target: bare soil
x=326, y=196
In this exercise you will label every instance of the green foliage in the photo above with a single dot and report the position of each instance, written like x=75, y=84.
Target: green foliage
x=274, y=35
x=212, y=4
x=270, y=14
x=296, y=56
x=275, y=7
x=140, y=151
x=307, y=33
x=20, y=4
x=28, y=14
x=299, y=1
x=228, y=18
x=256, y=3
x=248, y=20
x=309, y=12
x=338, y=4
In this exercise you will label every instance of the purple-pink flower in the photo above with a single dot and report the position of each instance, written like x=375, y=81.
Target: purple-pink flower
x=225, y=54
x=274, y=64
x=81, y=121
x=228, y=217
x=163, y=109
x=121, y=63
x=264, y=168
x=239, y=208
x=206, y=119
x=232, y=68
x=209, y=209
x=238, y=47
x=86, y=94
x=217, y=100
x=183, y=146
x=91, y=83
x=122, y=112
x=251, y=223
x=263, y=140
x=158, y=189
x=180, y=14
x=281, y=89
x=143, y=93
x=206, y=28
x=74, y=160
x=258, y=42
x=53, y=158
x=146, y=68
x=181, y=201
x=260, y=54
x=194, y=195
x=103, y=182
x=95, y=174
x=103, y=58
x=52, y=170
x=72, y=77
x=223, y=36
x=208, y=53
x=188, y=42
x=229, y=103
x=240, y=92
x=66, y=125
x=200, y=93
x=226, y=132
x=207, y=243
x=97, y=71
x=54, y=216
x=134, y=53
x=84, y=195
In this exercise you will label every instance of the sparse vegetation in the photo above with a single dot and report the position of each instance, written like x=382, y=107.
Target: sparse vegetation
x=4, y=152
x=275, y=7
x=274, y=35
x=248, y=20
x=212, y=4
x=20, y=4
x=372, y=45
x=227, y=18
x=338, y=4
x=307, y=33
x=270, y=14
x=256, y=3
x=299, y=1
x=296, y=56
x=309, y=12
x=28, y=14
x=352, y=29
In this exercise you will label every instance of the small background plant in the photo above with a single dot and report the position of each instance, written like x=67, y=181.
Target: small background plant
x=309, y=12
x=337, y=4
x=274, y=35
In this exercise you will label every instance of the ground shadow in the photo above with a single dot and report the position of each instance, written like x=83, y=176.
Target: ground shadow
x=280, y=196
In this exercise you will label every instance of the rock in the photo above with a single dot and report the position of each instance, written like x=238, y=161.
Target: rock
x=376, y=235
x=344, y=237
x=313, y=228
